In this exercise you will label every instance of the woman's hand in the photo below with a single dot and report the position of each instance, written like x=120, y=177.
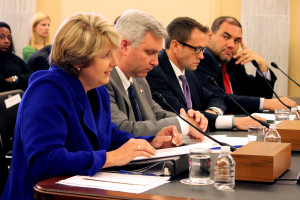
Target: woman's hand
x=167, y=137
x=128, y=151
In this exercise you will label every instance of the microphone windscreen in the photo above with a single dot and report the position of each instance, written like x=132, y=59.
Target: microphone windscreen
x=255, y=63
x=158, y=97
x=274, y=65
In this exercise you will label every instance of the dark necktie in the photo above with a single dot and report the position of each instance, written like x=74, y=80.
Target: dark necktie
x=226, y=79
x=134, y=104
x=186, y=91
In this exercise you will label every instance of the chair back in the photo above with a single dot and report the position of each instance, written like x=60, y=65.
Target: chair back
x=9, y=104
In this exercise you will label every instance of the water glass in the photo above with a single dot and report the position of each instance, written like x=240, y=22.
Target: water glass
x=281, y=114
x=256, y=133
x=293, y=113
x=199, y=166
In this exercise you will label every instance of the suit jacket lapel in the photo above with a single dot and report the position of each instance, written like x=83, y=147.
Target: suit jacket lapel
x=167, y=68
x=116, y=80
x=142, y=100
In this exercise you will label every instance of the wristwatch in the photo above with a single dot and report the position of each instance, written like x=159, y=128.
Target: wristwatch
x=15, y=79
x=216, y=110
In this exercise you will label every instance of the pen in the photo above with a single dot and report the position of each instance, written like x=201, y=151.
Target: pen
x=135, y=173
x=237, y=146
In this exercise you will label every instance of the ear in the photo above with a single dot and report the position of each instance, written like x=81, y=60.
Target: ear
x=174, y=46
x=125, y=45
x=76, y=67
x=209, y=35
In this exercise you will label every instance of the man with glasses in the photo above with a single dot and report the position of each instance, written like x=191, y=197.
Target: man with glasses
x=132, y=106
x=174, y=79
x=225, y=64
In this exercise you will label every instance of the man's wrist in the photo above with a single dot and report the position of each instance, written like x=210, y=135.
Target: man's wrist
x=218, y=111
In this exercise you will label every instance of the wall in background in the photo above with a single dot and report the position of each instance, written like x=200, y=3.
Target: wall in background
x=17, y=14
x=266, y=29
x=294, y=58
x=205, y=11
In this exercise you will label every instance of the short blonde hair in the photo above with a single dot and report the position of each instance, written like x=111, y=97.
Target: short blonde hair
x=80, y=38
x=36, y=19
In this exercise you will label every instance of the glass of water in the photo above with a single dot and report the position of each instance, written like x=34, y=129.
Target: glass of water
x=199, y=166
x=281, y=114
x=256, y=133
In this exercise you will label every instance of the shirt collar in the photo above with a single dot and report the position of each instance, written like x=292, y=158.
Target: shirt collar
x=177, y=71
x=125, y=81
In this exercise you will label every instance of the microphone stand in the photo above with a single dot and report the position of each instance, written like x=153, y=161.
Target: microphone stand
x=212, y=81
x=257, y=67
x=158, y=97
x=275, y=66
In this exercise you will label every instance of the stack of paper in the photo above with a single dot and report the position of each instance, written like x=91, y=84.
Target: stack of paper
x=117, y=182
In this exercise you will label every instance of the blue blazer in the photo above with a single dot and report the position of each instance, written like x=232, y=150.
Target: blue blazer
x=162, y=79
x=60, y=131
x=247, y=89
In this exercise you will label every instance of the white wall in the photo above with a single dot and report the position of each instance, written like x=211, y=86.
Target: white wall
x=17, y=14
x=266, y=25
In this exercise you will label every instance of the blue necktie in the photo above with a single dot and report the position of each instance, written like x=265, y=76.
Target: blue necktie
x=134, y=104
x=186, y=91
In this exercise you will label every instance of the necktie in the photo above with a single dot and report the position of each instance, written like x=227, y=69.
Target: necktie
x=134, y=104
x=226, y=79
x=186, y=91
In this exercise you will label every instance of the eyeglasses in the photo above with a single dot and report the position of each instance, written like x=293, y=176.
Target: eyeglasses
x=196, y=49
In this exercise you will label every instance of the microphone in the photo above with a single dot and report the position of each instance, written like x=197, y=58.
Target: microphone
x=257, y=67
x=212, y=81
x=159, y=98
x=275, y=66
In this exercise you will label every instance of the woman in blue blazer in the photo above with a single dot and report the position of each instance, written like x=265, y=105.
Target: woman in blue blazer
x=64, y=125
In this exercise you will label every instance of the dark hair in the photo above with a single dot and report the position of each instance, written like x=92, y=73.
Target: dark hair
x=230, y=20
x=11, y=47
x=181, y=28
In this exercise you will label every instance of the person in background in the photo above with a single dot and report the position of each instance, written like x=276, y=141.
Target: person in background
x=174, y=78
x=40, y=59
x=14, y=72
x=63, y=125
x=39, y=34
x=141, y=40
x=225, y=63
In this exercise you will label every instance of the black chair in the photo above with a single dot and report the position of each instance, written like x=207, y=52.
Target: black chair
x=3, y=169
x=9, y=104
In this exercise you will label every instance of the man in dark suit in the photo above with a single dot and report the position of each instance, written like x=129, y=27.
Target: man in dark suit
x=141, y=40
x=184, y=50
x=225, y=64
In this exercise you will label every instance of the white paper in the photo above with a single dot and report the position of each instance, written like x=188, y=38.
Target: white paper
x=13, y=100
x=160, y=153
x=267, y=116
x=116, y=182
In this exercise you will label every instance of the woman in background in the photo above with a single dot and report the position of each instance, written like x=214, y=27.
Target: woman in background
x=14, y=72
x=64, y=123
x=39, y=35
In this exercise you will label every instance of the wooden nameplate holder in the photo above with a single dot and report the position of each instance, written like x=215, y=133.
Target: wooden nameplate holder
x=262, y=161
x=289, y=131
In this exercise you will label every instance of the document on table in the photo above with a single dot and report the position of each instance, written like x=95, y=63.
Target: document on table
x=116, y=182
x=189, y=144
x=175, y=151
x=267, y=116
